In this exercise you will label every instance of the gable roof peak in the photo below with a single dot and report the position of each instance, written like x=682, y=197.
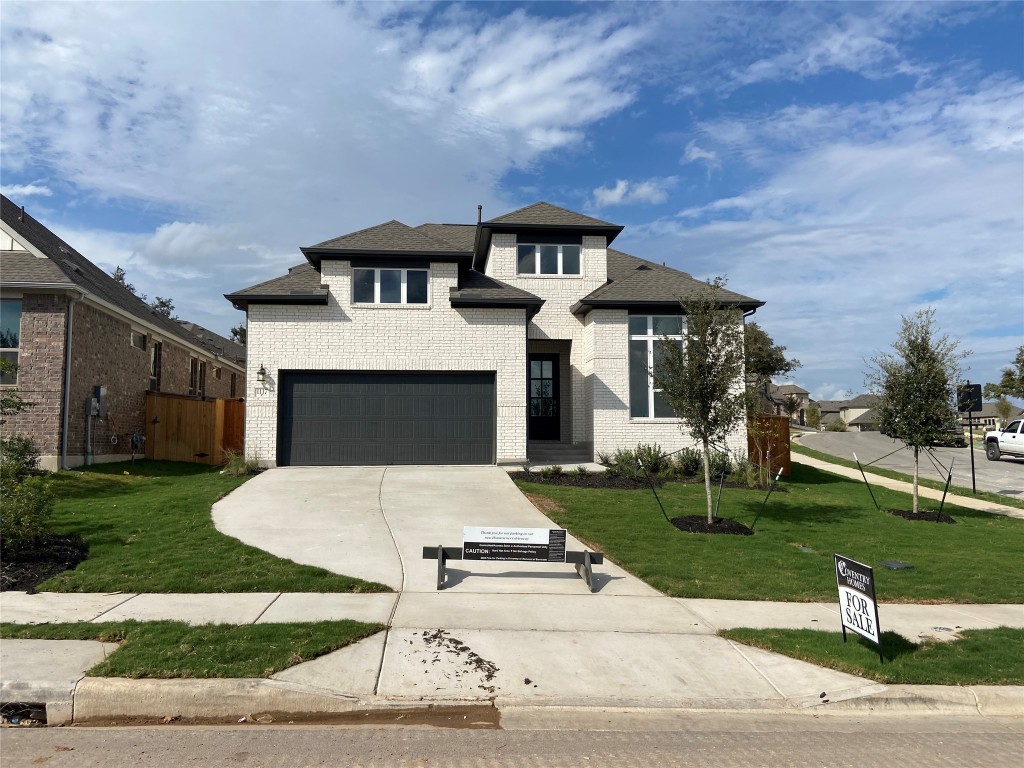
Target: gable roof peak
x=543, y=213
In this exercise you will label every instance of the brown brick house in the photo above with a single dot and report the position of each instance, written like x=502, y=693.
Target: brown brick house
x=70, y=328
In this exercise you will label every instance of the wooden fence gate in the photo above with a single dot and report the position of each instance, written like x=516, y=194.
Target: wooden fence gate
x=768, y=443
x=182, y=428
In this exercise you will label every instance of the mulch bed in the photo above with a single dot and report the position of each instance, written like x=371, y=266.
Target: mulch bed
x=924, y=517
x=51, y=555
x=589, y=480
x=699, y=524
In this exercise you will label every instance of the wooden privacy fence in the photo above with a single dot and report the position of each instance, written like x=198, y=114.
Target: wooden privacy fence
x=181, y=428
x=768, y=443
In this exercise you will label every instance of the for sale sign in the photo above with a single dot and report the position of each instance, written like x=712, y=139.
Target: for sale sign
x=857, y=607
x=490, y=543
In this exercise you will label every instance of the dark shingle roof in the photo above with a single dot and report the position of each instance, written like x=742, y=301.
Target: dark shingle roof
x=633, y=281
x=81, y=272
x=477, y=289
x=228, y=348
x=546, y=214
x=302, y=285
x=24, y=267
x=462, y=236
x=388, y=237
x=787, y=389
x=868, y=417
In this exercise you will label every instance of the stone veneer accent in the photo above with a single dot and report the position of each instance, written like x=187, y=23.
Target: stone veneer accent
x=346, y=337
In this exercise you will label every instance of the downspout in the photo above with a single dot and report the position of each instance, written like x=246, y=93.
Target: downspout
x=68, y=328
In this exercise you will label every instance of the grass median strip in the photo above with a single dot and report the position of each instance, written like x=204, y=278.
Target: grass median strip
x=789, y=558
x=149, y=529
x=979, y=657
x=173, y=649
x=996, y=498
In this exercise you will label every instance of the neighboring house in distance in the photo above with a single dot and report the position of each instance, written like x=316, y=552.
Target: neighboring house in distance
x=857, y=412
x=779, y=393
x=70, y=327
x=517, y=337
x=988, y=419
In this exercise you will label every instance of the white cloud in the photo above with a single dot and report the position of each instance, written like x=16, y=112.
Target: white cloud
x=25, y=190
x=625, y=192
x=694, y=154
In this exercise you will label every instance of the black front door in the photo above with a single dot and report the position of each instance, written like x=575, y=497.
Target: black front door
x=543, y=397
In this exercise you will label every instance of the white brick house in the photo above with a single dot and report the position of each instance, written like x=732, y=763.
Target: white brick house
x=521, y=336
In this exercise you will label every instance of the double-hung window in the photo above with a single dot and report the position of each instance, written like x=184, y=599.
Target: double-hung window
x=156, y=350
x=540, y=259
x=10, y=337
x=390, y=286
x=197, y=377
x=647, y=334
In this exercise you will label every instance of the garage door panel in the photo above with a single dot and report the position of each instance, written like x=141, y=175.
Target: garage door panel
x=357, y=418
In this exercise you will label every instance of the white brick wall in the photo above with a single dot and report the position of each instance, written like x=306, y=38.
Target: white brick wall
x=341, y=336
x=608, y=384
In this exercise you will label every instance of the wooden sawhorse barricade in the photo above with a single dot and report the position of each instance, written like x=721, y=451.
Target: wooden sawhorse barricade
x=584, y=562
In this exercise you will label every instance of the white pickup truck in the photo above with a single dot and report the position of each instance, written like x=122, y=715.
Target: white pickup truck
x=1008, y=441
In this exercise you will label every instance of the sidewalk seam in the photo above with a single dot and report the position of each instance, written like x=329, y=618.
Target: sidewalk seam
x=736, y=647
x=394, y=606
x=104, y=613
x=267, y=608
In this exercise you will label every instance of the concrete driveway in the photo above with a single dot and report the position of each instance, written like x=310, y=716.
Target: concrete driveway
x=1005, y=476
x=513, y=632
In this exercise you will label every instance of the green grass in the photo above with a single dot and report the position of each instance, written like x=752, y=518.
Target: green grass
x=149, y=529
x=169, y=649
x=970, y=562
x=979, y=657
x=996, y=498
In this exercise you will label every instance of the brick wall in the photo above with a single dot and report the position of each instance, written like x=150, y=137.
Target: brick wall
x=41, y=372
x=343, y=336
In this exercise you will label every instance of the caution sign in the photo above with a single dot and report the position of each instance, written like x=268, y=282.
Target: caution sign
x=858, y=609
x=491, y=543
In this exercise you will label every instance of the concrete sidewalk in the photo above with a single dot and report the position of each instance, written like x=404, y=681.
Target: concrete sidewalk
x=968, y=502
x=511, y=634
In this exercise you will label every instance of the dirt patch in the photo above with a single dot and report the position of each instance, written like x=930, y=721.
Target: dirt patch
x=698, y=524
x=439, y=641
x=924, y=517
x=545, y=505
x=31, y=566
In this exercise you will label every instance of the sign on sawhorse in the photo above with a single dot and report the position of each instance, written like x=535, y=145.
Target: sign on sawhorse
x=541, y=545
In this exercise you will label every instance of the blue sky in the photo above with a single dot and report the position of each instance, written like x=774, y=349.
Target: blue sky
x=848, y=163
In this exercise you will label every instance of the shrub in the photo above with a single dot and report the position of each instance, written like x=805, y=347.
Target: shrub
x=19, y=456
x=604, y=458
x=720, y=464
x=553, y=471
x=689, y=462
x=747, y=472
x=581, y=471
x=237, y=464
x=27, y=507
x=836, y=426
x=624, y=464
x=652, y=457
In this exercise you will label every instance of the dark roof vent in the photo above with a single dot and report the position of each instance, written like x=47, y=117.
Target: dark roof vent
x=21, y=216
x=643, y=268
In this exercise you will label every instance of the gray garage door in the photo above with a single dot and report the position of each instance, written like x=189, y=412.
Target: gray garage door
x=336, y=418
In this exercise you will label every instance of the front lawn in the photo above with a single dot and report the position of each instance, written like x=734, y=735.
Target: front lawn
x=167, y=649
x=979, y=657
x=789, y=558
x=149, y=529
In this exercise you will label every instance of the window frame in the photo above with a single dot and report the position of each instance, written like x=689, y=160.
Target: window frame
x=132, y=335
x=16, y=350
x=403, y=290
x=652, y=339
x=196, y=377
x=537, y=245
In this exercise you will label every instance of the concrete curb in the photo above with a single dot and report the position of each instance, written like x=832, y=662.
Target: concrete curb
x=98, y=700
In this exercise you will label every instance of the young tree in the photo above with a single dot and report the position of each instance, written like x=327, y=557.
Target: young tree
x=238, y=334
x=1012, y=382
x=916, y=385
x=764, y=360
x=791, y=405
x=814, y=416
x=702, y=378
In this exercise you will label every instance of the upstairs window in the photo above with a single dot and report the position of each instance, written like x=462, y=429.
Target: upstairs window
x=540, y=259
x=156, y=350
x=646, y=346
x=390, y=286
x=10, y=337
x=138, y=340
x=196, y=377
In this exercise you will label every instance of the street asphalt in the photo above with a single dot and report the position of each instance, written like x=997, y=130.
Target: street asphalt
x=513, y=635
